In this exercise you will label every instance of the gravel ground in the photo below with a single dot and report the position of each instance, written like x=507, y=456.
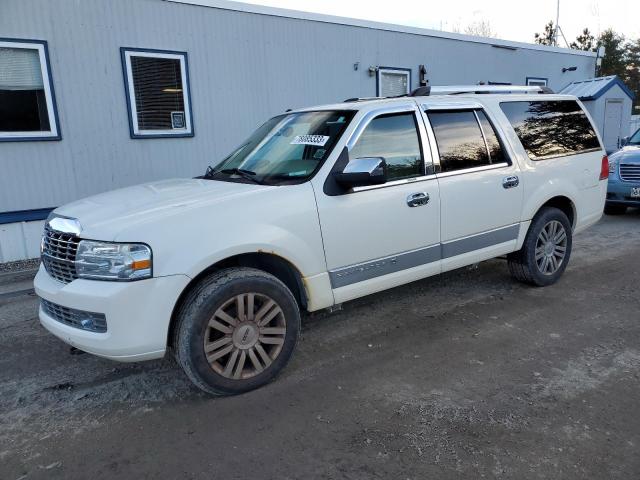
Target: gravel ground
x=19, y=265
x=466, y=375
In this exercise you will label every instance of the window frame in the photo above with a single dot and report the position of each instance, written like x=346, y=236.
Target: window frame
x=134, y=131
x=553, y=156
x=396, y=70
x=52, y=109
x=536, y=79
x=423, y=139
x=474, y=109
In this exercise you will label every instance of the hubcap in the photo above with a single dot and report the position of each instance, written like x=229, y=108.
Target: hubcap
x=244, y=336
x=551, y=247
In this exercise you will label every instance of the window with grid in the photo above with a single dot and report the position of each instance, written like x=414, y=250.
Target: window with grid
x=158, y=93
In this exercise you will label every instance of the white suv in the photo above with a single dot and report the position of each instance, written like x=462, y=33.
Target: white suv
x=317, y=207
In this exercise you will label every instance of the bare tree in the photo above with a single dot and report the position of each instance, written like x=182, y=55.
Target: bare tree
x=481, y=28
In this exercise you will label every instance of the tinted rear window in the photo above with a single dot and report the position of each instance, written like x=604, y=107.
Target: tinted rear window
x=551, y=128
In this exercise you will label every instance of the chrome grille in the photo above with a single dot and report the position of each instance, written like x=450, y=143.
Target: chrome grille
x=93, y=322
x=630, y=172
x=59, y=254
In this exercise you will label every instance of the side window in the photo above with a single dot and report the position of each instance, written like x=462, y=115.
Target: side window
x=459, y=139
x=395, y=138
x=27, y=100
x=550, y=129
x=495, y=148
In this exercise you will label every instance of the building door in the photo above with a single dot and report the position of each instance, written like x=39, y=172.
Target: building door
x=612, y=125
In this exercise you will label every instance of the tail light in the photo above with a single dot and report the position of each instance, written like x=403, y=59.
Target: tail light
x=604, y=170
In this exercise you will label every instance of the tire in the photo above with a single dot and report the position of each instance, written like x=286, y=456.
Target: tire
x=249, y=323
x=537, y=263
x=615, y=209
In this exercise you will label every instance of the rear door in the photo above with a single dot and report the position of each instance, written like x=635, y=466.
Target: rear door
x=480, y=190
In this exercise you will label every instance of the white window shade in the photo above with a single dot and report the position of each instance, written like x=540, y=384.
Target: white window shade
x=20, y=69
x=392, y=83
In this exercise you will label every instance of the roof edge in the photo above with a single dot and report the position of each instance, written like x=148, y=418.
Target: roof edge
x=613, y=80
x=354, y=22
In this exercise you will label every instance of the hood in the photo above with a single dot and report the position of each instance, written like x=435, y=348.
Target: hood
x=628, y=154
x=103, y=216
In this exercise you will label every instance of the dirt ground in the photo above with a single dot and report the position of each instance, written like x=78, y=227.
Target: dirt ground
x=467, y=375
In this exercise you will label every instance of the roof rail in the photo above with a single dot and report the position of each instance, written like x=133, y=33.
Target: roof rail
x=478, y=89
x=426, y=91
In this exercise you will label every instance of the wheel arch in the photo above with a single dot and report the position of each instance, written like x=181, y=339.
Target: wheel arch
x=270, y=263
x=563, y=203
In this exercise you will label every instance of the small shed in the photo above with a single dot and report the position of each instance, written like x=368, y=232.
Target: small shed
x=609, y=102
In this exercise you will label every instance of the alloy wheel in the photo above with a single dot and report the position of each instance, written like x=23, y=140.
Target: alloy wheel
x=244, y=336
x=551, y=247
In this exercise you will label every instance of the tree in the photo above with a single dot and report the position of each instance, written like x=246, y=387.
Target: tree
x=584, y=41
x=614, y=61
x=632, y=79
x=548, y=37
x=481, y=28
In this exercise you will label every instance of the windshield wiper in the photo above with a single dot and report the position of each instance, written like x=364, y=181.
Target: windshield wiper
x=246, y=174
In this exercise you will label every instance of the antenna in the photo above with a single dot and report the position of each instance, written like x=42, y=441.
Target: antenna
x=558, y=29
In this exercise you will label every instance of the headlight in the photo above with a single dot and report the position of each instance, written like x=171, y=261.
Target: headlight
x=613, y=166
x=113, y=261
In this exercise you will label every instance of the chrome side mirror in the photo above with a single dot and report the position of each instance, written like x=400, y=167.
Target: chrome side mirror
x=361, y=172
x=624, y=141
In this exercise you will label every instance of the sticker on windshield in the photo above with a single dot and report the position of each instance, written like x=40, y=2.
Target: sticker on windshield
x=315, y=140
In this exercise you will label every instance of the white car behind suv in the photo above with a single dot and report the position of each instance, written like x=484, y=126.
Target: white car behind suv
x=317, y=207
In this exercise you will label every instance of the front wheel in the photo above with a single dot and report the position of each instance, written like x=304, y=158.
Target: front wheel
x=545, y=252
x=236, y=331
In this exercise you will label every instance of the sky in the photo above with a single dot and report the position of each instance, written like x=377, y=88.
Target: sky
x=509, y=20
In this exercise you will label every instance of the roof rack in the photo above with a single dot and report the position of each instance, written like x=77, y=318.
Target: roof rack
x=477, y=89
x=461, y=90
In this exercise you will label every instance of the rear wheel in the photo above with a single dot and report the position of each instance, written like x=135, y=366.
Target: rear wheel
x=545, y=252
x=615, y=209
x=236, y=331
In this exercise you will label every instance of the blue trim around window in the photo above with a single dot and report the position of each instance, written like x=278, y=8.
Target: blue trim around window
x=25, y=215
x=539, y=79
x=126, y=92
x=54, y=105
x=392, y=68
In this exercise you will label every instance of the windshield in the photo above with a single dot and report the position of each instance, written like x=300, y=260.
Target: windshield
x=287, y=149
x=635, y=138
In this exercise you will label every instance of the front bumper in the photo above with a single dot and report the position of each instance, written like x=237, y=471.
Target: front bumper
x=137, y=314
x=619, y=193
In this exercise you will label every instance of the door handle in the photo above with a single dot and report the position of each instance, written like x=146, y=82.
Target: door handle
x=510, y=182
x=418, y=199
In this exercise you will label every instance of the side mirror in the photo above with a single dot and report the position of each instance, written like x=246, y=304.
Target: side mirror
x=624, y=141
x=361, y=172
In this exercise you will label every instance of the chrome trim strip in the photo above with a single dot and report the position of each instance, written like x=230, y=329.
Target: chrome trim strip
x=383, y=266
x=482, y=240
x=395, y=183
x=494, y=166
x=360, y=272
x=65, y=225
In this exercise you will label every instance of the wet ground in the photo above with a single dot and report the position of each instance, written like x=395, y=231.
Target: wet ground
x=467, y=375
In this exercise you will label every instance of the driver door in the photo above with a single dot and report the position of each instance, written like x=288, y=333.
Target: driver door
x=379, y=236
